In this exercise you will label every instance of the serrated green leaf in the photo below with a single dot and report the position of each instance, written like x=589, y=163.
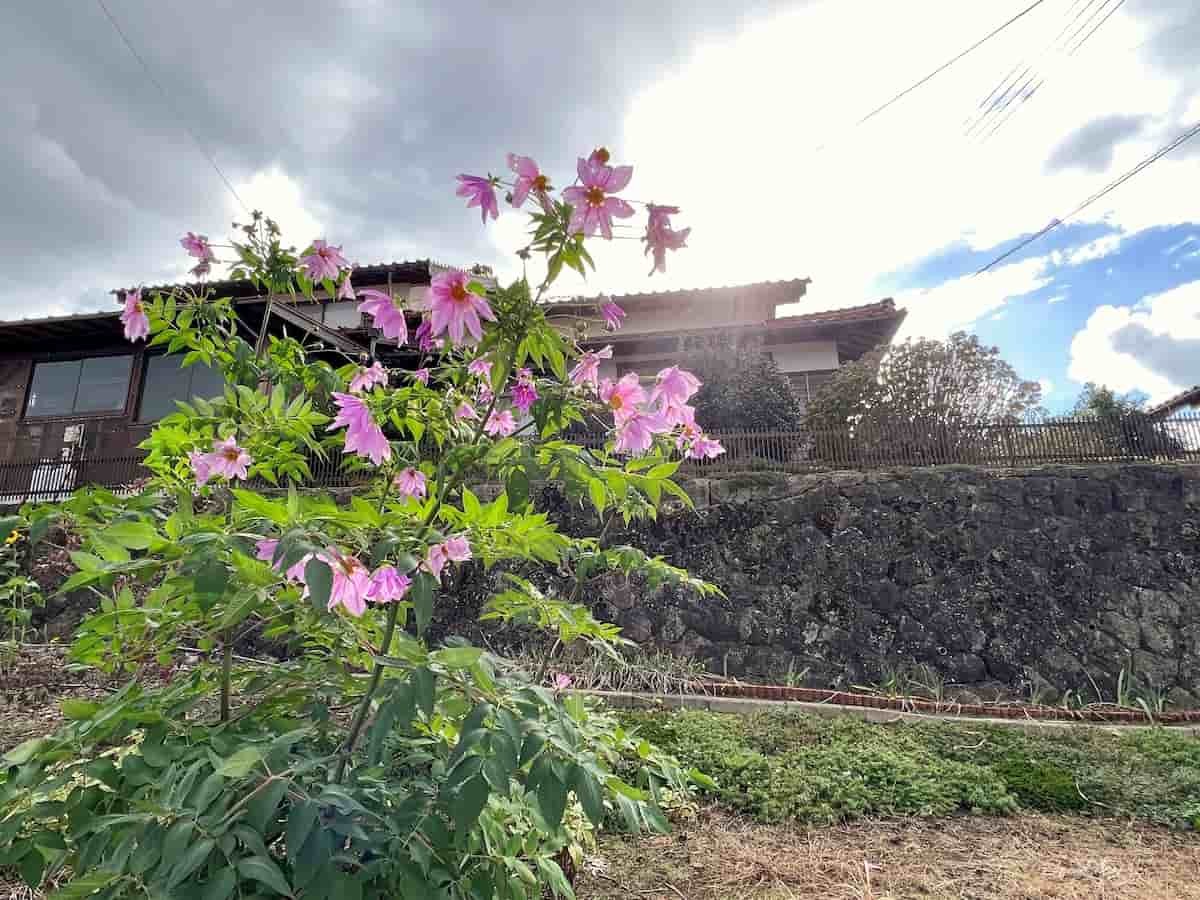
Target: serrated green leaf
x=264, y=870
x=318, y=577
x=457, y=657
x=133, y=535
x=193, y=859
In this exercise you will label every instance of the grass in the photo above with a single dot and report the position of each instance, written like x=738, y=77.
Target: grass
x=782, y=767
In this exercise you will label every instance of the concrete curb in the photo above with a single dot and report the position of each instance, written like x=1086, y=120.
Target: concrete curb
x=749, y=705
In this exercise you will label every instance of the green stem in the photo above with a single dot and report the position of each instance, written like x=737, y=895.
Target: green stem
x=226, y=673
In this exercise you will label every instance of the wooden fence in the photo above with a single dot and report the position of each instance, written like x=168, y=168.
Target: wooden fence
x=1133, y=438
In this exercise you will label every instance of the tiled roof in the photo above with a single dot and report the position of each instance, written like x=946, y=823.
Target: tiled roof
x=1188, y=397
x=882, y=309
x=408, y=272
x=793, y=288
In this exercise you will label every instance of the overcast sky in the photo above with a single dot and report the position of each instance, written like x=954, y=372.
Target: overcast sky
x=349, y=120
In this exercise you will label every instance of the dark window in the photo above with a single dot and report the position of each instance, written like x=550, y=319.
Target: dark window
x=167, y=381
x=98, y=384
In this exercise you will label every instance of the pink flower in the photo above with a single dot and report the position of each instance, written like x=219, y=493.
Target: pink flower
x=622, y=397
x=529, y=179
x=500, y=424
x=465, y=412
x=351, y=581
x=385, y=315
x=201, y=268
x=455, y=549
x=679, y=414
x=562, y=682
x=704, y=447
x=660, y=237
x=424, y=337
x=612, y=315
x=480, y=367
x=587, y=370
x=484, y=395
x=387, y=585
x=227, y=459
x=456, y=308
x=323, y=262
x=599, y=157
x=675, y=386
x=593, y=208
x=367, y=378
x=363, y=434
x=265, y=550
x=345, y=290
x=410, y=483
x=421, y=375
x=197, y=245
x=635, y=432
x=482, y=192
x=134, y=318
x=524, y=392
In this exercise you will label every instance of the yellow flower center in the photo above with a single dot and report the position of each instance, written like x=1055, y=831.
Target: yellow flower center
x=541, y=183
x=231, y=453
x=595, y=196
x=615, y=401
x=458, y=292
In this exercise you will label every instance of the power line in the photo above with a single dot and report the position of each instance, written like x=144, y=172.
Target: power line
x=1096, y=27
x=158, y=84
x=944, y=66
x=1112, y=186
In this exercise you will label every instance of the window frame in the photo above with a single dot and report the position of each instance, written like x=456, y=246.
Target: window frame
x=79, y=356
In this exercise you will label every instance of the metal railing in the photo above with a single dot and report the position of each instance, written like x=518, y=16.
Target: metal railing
x=1134, y=438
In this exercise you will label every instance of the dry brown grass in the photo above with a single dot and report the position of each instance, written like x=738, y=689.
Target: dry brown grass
x=721, y=857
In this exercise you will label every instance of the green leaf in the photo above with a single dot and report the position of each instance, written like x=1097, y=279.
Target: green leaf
x=587, y=789
x=240, y=763
x=421, y=595
x=319, y=579
x=457, y=657
x=261, y=506
x=206, y=792
x=598, y=495
x=79, y=709
x=211, y=578
x=192, y=860
x=468, y=802
x=25, y=751
x=264, y=870
x=221, y=885
x=302, y=817
x=260, y=812
x=701, y=779
x=423, y=682
x=551, y=798
x=133, y=535
x=84, y=885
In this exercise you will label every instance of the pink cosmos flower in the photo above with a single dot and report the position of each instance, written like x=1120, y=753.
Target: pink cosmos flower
x=500, y=424
x=622, y=397
x=484, y=395
x=635, y=432
x=524, y=392
x=265, y=550
x=351, y=581
x=410, y=483
x=385, y=315
x=424, y=336
x=134, y=318
x=366, y=378
x=599, y=157
x=675, y=386
x=562, y=681
x=480, y=367
x=529, y=180
x=227, y=459
x=679, y=414
x=612, y=315
x=324, y=262
x=593, y=208
x=455, y=308
x=465, y=412
x=363, y=435
x=345, y=290
x=387, y=585
x=587, y=370
x=660, y=237
x=482, y=192
x=704, y=447
x=197, y=245
x=454, y=549
x=421, y=375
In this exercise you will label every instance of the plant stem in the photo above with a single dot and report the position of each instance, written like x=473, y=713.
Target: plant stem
x=360, y=715
x=226, y=673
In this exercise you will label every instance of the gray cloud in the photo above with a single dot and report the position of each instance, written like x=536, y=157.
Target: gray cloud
x=371, y=106
x=1176, y=359
x=1091, y=147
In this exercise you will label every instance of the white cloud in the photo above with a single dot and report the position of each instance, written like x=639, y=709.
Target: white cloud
x=1046, y=384
x=279, y=195
x=1175, y=248
x=1096, y=249
x=1165, y=325
x=1057, y=298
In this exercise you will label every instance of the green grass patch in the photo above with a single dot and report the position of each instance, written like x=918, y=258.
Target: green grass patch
x=789, y=767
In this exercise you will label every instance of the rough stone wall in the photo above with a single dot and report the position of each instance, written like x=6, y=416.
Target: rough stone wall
x=1050, y=579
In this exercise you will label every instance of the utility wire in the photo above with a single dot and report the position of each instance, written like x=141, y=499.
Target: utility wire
x=1112, y=186
x=944, y=66
x=1096, y=27
x=158, y=84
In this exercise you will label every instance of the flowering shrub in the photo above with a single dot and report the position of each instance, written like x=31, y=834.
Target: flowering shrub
x=367, y=763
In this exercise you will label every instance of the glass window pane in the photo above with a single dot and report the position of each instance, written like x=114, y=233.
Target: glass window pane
x=103, y=384
x=53, y=389
x=207, y=382
x=164, y=384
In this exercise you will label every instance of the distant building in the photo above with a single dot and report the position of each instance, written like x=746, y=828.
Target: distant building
x=1187, y=400
x=661, y=328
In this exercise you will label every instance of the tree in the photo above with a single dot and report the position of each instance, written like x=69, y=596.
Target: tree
x=372, y=761
x=1121, y=427
x=922, y=400
x=1100, y=401
x=742, y=390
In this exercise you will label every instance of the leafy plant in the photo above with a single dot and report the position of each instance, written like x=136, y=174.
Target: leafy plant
x=370, y=762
